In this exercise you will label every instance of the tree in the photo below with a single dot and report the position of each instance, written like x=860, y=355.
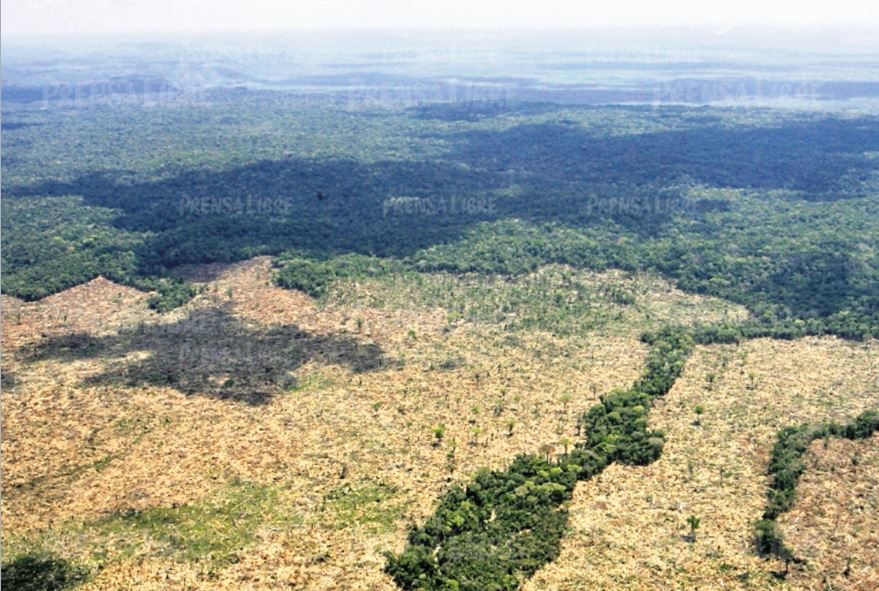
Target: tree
x=438, y=432
x=693, y=523
x=699, y=410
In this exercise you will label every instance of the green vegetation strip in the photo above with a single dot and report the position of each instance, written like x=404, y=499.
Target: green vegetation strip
x=500, y=528
x=786, y=466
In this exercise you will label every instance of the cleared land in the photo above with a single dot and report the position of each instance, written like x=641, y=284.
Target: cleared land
x=628, y=525
x=257, y=439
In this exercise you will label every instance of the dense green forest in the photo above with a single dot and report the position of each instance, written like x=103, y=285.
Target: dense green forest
x=778, y=211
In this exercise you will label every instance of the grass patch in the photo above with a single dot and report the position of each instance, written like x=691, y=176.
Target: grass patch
x=369, y=504
x=311, y=382
x=213, y=530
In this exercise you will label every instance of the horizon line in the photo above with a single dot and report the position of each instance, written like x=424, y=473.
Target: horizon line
x=710, y=28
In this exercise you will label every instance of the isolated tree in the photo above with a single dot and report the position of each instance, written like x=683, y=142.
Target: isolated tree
x=511, y=423
x=710, y=379
x=565, y=442
x=693, y=523
x=565, y=399
x=438, y=432
x=699, y=410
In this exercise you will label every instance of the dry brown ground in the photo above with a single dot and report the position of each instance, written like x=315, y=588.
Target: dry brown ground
x=75, y=450
x=834, y=525
x=627, y=525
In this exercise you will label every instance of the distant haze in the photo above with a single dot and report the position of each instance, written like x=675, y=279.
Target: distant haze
x=52, y=17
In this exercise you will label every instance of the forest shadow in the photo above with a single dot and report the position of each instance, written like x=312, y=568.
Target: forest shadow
x=822, y=158
x=557, y=172
x=319, y=206
x=211, y=353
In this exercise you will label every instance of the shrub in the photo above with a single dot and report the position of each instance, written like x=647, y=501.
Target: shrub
x=35, y=572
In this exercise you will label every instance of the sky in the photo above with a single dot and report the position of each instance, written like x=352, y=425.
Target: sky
x=51, y=17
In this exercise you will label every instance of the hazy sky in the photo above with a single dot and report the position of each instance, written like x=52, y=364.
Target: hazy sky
x=28, y=17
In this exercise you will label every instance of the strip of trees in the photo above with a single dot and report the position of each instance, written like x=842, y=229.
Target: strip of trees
x=785, y=468
x=501, y=527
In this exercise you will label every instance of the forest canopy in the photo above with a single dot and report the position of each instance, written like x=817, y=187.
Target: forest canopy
x=776, y=211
